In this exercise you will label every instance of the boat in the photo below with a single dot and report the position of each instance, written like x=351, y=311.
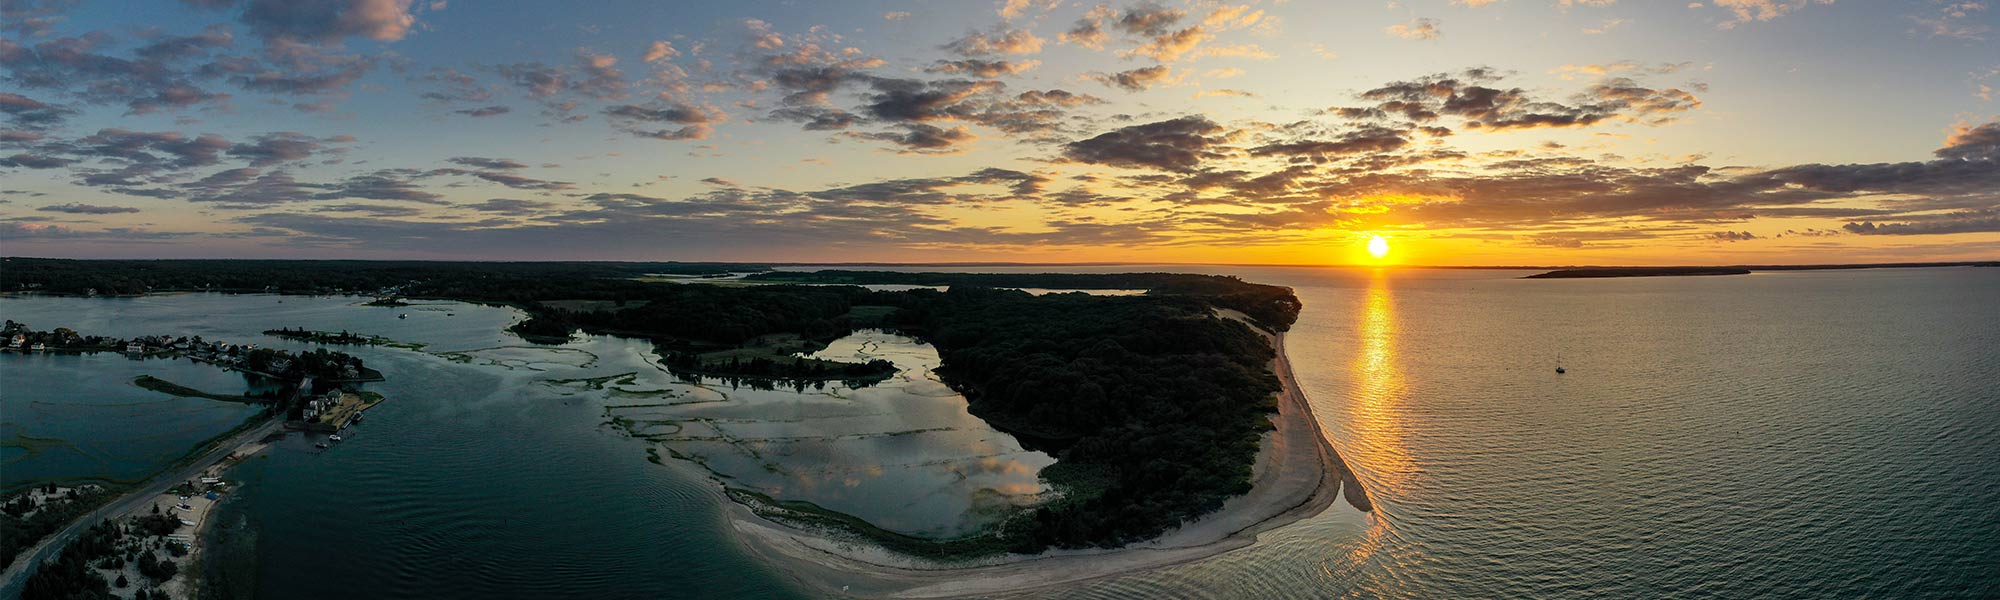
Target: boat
x=333, y=437
x=403, y=316
x=320, y=445
x=1559, y=364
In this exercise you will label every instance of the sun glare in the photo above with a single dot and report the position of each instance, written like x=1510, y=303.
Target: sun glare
x=1378, y=247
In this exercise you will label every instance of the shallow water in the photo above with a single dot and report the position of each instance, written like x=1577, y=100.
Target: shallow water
x=1803, y=434
x=68, y=417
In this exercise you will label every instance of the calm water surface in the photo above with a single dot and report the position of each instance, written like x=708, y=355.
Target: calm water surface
x=1808, y=434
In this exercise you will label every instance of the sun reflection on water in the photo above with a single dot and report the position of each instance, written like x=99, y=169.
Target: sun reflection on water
x=1378, y=382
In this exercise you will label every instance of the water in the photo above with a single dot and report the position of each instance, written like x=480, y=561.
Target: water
x=78, y=417
x=1803, y=434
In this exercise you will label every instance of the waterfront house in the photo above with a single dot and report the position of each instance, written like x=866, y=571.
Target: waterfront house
x=135, y=348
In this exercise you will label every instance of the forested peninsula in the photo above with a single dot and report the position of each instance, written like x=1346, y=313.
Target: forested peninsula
x=1154, y=405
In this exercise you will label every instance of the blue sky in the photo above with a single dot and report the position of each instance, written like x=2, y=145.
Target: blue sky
x=1468, y=132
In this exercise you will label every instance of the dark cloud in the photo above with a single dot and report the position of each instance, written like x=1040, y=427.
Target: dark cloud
x=74, y=65
x=29, y=113
x=1173, y=145
x=1732, y=236
x=484, y=111
x=923, y=138
x=33, y=161
x=1367, y=139
x=1135, y=79
x=696, y=122
x=1957, y=222
x=1149, y=19
x=379, y=210
x=511, y=207
x=87, y=209
x=277, y=147
x=497, y=164
x=1466, y=95
x=1980, y=143
x=329, y=21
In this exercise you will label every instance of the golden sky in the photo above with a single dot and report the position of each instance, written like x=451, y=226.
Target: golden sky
x=1464, y=132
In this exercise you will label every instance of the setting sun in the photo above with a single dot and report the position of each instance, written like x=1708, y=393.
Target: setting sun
x=1378, y=247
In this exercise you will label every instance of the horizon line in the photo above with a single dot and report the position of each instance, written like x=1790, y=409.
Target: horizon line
x=1772, y=266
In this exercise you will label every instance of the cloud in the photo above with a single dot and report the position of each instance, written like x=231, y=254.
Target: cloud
x=1745, y=11
x=75, y=65
x=1951, y=20
x=34, y=161
x=1484, y=107
x=696, y=122
x=999, y=40
x=1423, y=28
x=29, y=113
x=87, y=209
x=1172, y=145
x=1607, y=26
x=485, y=111
x=982, y=68
x=1732, y=236
x=1136, y=80
x=329, y=21
x=1957, y=222
x=511, y=207
x=922, y=138
x=897, y=15
x=496, y=164
x=1014, y=9
x=276, y=147
x=379, y=210
x=660, y=50
x=1973, y=143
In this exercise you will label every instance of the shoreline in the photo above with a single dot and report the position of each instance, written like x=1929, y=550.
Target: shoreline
x=1298, y=474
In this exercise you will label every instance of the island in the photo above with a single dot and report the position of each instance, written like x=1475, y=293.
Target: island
x=1594, y=272
x=100, y=535
x=1171, y=415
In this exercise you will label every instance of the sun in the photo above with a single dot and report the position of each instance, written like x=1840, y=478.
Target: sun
x=1378, y=247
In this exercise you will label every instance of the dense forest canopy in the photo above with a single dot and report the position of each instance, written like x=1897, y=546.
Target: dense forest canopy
x=1153, y=405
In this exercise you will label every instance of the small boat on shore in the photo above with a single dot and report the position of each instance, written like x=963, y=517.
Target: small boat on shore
x=320, y=445
x=333, y=437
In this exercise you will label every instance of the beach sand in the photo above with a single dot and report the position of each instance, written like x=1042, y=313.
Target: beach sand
x=1297, y=475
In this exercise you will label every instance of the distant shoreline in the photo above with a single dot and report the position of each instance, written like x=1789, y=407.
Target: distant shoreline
x=1638, y=272
x=1298, y=474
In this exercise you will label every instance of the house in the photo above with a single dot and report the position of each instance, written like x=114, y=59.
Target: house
x=135, y=348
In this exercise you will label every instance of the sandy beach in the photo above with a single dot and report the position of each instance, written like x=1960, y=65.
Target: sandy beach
x=1297, y=475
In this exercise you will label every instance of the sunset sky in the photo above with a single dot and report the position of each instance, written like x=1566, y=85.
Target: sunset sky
x=1466, y=132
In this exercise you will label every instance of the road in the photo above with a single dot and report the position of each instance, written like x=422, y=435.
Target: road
x=16, y=574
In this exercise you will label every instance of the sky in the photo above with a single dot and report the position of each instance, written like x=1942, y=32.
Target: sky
x=1465, y=132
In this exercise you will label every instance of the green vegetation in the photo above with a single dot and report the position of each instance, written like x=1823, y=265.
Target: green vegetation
x=107, y=545
x=170, y=388
x=1153, y=406
x=22, y=525
x=328, y=337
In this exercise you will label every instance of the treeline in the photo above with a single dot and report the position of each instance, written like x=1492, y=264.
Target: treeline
x=17, y=534
x=1272, y=306
x=108, y=545
x=124, y=277
x=1153, y=407
x=795, y=368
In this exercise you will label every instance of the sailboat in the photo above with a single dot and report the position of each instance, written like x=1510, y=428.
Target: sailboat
x=1559, y=364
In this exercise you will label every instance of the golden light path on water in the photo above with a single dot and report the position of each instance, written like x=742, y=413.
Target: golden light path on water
x=1383, y=462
